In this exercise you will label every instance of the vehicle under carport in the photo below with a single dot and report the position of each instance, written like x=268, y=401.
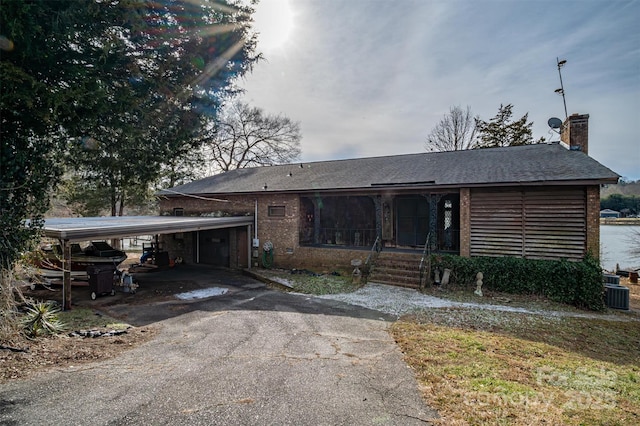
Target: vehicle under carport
x=69, y=230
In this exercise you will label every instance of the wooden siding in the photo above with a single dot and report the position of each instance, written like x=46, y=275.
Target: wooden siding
x=531, y=223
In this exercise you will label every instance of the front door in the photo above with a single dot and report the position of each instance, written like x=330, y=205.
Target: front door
x=242, y=248
x=412, y=221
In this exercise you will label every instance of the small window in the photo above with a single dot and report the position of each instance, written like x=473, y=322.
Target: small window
x=178, y=211
x=276, y=211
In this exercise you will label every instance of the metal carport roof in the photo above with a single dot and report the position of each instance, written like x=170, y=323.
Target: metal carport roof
x=87, y=228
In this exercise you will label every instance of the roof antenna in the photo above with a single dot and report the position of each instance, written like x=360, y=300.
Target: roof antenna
x=561, y=89
x=555, y=125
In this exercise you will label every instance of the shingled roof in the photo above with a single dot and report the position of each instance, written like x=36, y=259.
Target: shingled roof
x=520, y=165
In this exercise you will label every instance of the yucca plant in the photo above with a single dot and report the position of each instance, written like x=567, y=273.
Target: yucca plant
x=42, y=318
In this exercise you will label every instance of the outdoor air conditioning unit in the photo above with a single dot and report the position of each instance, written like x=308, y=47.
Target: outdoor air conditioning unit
x=610, y=279
x=617, y=296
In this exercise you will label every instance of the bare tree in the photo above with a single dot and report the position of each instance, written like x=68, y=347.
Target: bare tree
x=244, y=136
x=455, y=132
x=634, y=244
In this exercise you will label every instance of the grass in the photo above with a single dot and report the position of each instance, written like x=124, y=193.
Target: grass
x=465, y=294
x=483, y=367
x=311, y=283
x=84, y=318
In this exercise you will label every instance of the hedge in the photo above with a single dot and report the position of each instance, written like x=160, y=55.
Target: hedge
x=574, y=283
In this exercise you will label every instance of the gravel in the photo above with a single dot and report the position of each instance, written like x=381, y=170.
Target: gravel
x=400, y=301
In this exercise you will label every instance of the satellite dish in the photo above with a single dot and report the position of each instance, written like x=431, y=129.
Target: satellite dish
x=554, y=123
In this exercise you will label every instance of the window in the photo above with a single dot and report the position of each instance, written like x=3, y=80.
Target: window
x=347, y=221
x=448, y=214
x=178, y=211
x=448, y=225
x=276, y=211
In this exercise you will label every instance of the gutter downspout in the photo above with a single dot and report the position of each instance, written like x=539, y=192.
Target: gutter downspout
x=255, y=219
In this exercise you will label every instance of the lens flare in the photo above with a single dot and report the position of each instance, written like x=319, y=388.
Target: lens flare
x=6, y=44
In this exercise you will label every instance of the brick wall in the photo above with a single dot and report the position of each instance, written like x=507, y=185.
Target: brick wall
x=322, y=259
x=465, y=222
x=281, y=231
x=231, y=206
x=179, y=245
x=593, y=220
x=183, y=245
x=575, y=132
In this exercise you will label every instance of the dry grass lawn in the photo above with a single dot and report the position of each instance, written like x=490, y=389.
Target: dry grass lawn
x=484, y=367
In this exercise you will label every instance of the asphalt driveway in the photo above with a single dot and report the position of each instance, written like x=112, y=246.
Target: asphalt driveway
x=250, y=356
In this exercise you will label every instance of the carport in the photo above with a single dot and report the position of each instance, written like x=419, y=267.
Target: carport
x=75, y=229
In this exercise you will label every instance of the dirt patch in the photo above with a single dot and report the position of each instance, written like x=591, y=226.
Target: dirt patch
x=63, y=351
x=23, y=358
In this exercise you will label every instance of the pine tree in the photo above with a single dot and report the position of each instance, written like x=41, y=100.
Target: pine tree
x=501, y=131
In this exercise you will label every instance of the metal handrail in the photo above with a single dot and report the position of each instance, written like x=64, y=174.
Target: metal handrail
x=375, y=249
x=426, y=253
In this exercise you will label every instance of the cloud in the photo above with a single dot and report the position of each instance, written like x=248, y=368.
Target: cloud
x=373, y=77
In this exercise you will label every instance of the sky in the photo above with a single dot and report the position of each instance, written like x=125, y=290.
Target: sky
x=373, y=77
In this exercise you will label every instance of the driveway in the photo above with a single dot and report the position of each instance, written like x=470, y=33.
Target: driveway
x=250, y=356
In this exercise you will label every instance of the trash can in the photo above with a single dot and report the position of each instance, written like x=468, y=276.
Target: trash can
x=100, y=280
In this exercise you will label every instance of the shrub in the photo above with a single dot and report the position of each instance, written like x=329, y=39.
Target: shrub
x=42, y=318
x=10, y=326
x=575, y=283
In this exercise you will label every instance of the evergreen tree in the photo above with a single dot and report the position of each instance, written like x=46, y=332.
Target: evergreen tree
x=114, y=89
x=502, y=131
x=41, y=79
x=169, y=66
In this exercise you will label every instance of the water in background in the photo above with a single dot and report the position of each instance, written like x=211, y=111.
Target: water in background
x=134, y=244
x=615, y=244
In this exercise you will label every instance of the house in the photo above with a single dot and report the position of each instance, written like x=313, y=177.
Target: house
x=535, y=201
x=609, y=213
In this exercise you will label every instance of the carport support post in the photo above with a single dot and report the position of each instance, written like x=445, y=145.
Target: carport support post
x=66, y=275
x=198, y=246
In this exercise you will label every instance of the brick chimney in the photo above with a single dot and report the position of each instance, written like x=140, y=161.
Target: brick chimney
x=575, y=132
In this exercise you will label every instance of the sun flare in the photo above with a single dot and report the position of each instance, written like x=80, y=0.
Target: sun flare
x=273, y=23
